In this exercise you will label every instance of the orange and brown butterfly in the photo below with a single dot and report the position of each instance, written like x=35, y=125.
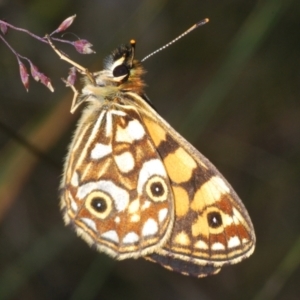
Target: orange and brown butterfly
x=133, y=187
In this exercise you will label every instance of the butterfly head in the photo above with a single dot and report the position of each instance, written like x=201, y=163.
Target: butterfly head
x=122, y=73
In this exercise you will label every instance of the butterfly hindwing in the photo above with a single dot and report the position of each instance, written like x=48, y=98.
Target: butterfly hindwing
x=115, y=190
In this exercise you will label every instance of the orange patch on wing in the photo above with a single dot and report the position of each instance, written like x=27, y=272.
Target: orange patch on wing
x=182, y=203
x=225, y=204
x=180, y=165
x=200, y=227
x=157, y=133
x=182, y=239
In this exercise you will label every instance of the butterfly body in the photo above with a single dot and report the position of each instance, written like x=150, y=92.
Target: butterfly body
x=134, y=187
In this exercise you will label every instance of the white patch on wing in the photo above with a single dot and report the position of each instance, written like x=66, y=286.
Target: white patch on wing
x=201, y=245
x=75, y=179
x=119, y=195
x=125, y=162
x=111, y=235
x=90, y=223
x=133, y=132
x=217, y=246
x=108, y=128
x=150, y=227
x=162, y=214
x=233, y=242
x=131, y=238
x=146, y=205
x=150, y=168
x=100, y=151
x=135, y=218
x=117, y=219
x=136, y=129
x=134, y=206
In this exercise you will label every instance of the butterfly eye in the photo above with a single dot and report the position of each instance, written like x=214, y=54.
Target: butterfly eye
x=214, y=219
x=156, y=189
x=99, y=204
x=120, y=70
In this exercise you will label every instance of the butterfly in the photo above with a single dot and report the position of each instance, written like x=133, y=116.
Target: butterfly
x=133, y=187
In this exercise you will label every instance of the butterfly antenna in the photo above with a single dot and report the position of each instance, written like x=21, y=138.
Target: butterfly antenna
x=202, y=22
x=132, y=44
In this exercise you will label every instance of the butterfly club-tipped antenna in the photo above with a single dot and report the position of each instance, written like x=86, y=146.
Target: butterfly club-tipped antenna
x=198, y=24
x=132, y=44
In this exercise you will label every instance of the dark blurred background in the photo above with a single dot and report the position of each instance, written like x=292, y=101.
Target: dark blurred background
x=231, y=88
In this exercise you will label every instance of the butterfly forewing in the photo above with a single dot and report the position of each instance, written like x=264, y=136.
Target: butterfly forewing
x=116, y=191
